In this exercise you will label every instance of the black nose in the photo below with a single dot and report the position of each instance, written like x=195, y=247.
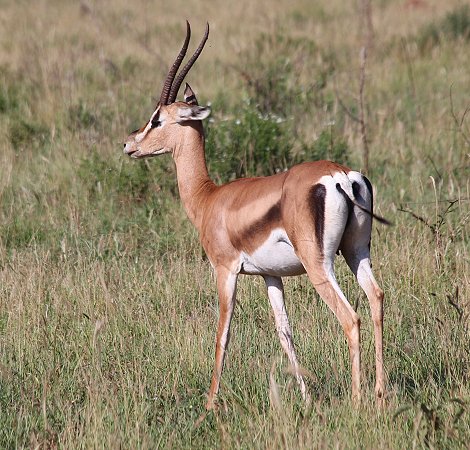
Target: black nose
x=124, y=145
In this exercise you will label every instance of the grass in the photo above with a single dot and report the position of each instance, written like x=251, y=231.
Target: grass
x=108, y=306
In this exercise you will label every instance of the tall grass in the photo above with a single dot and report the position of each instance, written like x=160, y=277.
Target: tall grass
x=108, y=306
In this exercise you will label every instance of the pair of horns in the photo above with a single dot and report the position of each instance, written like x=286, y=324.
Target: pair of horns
x=171, y=86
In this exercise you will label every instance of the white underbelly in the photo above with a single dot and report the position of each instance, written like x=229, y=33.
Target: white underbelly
x=275, y=256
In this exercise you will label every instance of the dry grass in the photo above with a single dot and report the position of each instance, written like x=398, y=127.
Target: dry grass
x=107, y=305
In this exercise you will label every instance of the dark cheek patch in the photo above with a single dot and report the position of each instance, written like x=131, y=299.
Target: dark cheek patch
x=317, y=198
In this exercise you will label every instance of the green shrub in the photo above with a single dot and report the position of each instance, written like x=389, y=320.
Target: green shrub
x=122, y=70
x=249, y=144
x=13, y=91
x=455, y=25
x=126, y=178
x=8, y=99
x=24, y=133
x=256, y=144
x=21, y=233
x=274, y=69
x=79, y=116
x=329, y=146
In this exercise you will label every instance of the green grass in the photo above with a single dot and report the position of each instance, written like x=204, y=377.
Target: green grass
x=108, y=306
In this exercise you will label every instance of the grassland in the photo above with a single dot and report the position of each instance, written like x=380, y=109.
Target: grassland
x=107, y=304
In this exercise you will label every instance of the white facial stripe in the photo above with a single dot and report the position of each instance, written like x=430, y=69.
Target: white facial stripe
x=139, y=137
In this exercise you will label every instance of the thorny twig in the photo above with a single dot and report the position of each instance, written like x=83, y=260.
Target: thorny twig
x=362, y=80
x=434, y=167
x=431, y=419
x=368, y=37
x=434, y=227
x=454, y=303
x=345, y=108
x=366, y=24
x=459, y=122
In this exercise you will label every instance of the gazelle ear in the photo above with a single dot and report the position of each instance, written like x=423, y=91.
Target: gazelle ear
x=189, y=95
x=193, y=112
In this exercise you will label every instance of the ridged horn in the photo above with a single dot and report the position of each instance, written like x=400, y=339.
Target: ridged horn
x=176, y=85
x=174, y=68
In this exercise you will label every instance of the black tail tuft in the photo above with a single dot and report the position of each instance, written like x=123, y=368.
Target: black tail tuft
x=350, y=201
x=380, y=219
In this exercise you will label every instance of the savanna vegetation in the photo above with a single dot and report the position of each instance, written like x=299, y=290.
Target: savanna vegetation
x=108, y=307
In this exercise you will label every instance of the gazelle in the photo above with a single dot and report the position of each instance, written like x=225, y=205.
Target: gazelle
x=286, y=224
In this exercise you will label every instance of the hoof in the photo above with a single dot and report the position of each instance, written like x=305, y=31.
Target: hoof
x=211, y=404
x=380, y=397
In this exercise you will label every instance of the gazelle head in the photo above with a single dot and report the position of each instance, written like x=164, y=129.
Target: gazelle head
x=161, y=133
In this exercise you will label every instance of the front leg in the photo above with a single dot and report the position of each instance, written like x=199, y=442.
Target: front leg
x=226, y=287
x=276, y=297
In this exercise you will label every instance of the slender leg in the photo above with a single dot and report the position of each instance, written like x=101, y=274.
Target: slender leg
x=355, y=247
x=226, y=286
x=276, y=297
x=359, y=262
x=320, y=271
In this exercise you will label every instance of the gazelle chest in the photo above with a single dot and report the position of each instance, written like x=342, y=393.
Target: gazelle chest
x=275, y=256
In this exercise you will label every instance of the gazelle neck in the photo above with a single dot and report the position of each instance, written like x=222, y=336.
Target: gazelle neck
x=194, y=183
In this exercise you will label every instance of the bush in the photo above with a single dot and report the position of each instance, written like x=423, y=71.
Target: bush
x=256, y=144
x=250, y=144
x=328, y=146
x=13, y=91
x=21, y=233
x=8, y=99
x=455, y=25
x=278, y=73
x=24, y=133
x=79, y=116
x=126, y=178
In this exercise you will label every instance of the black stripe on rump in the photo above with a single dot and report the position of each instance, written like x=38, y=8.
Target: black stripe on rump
x=356, y=188
x=317, y=209
x=369, y=188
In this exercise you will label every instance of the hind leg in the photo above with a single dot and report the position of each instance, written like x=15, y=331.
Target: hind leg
x=358, y=259
x=320, y=271
x=324, y=281
x=355, y=249
x=316, y=244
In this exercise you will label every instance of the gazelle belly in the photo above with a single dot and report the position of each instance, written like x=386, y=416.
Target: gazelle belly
x=275, y=257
